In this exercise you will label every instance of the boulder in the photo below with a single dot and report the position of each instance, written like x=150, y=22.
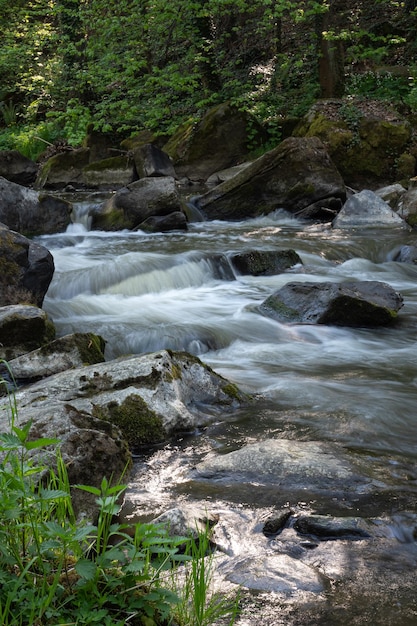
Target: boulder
x=17, y=168
x=151, y=161
x=31, y=213
x=293, y=176
x=407, y=206
x=220, y=140
x=56, y=356
x=367, y=209
x=133, y=204
x=164, y=223
x=366, y=140
x=26, y=268
x=356, y=304
x=406, y=254
x=392, y=195
x=111, y=173
x=141, y=400
x=63, y=169
x=264, y=262
x=23, y=328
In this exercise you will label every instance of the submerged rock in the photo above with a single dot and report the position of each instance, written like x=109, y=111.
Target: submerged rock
x=356, y=304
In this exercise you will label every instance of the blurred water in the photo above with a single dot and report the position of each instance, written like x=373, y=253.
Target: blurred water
x=144, y=292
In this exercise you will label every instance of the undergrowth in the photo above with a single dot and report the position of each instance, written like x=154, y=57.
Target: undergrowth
x=56, y=569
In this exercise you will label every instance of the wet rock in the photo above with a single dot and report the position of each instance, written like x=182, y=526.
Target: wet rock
x=356, y=304
x=31, y=213
x=132, y=205
x=151, y=161
x=23, y=328
x=164, y=223
x=279, y=573
x=57, y=356
x=406, y=254
x=17, y=168
x=367, y=209
x=26, y=268
x=289, y=463
x=407, y=206
x=186, y=521
x=275, y=524
x=293, y=176
x=328, y=527
x=227, y=174
x=264, y=262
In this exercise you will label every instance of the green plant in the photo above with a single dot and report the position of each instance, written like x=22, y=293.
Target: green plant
x=199, y=605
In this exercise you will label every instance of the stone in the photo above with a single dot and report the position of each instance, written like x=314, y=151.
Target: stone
x=327, y=527
x=391, y=194
x=407, y=206
x=17, y=168
x=26, y=269
x=218, y=141
x=406, y=254
x=264, y=262
x=293, y=176
x=151, y=161
x=164, y=223
x=133, y=204
x=366, y=209
x=31, y=213
x=111, y=173
x=63, y=169
x=23, y=328
x=353, y=303
x=56, y=356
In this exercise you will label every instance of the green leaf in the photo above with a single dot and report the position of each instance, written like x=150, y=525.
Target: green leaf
x=40, y=443
x=86, y=569
x=89, y=489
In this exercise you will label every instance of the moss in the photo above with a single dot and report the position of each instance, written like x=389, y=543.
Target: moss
x=277, y=309
x=91, y=347
x=139, y=425
x=232, y=390
x=98, y=382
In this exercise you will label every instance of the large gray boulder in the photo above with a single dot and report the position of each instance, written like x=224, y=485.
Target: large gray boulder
x=356, y=304
x=26, y=268
x=17, y=168
x=366, y=208
x=152, y=161
x=23, y=328
x=141, y=400
x=31, y=213
x=135, y=203
x=293, y=176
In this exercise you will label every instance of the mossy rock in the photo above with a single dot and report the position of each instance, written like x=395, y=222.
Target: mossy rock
x=109, y=173
x=139, y=425
x=223, y=138
x=64, y=168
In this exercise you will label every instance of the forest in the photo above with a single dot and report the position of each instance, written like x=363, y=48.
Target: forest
x=121, y=66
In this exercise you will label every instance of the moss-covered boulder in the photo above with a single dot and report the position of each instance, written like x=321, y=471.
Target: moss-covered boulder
x=293, y=176
x=26, y=269
x=355, y=304
x=222, y=139
x=367, y=141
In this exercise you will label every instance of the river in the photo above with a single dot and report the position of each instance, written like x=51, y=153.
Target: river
x=356, y=388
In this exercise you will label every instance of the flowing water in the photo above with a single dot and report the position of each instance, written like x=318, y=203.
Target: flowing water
x=356, y=387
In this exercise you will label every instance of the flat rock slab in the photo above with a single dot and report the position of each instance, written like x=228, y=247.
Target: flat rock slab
x=353, y=303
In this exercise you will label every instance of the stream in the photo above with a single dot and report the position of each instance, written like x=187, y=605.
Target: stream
x=353, y=389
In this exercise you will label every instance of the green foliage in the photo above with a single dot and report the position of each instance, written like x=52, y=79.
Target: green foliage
x=379, y=86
